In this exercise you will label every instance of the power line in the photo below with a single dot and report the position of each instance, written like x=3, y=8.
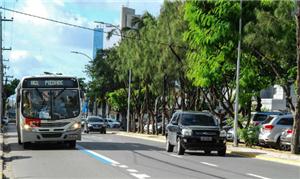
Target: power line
x=87, y=28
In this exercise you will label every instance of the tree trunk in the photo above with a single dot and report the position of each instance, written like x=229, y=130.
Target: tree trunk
x=296, y=125
x=259, y=105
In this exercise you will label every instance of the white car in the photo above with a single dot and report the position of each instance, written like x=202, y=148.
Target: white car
x=112, y=123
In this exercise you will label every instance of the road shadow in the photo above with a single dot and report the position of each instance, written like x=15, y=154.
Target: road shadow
x=38, y=146
x=12, y=158
x=191, y=169
x=118, y=146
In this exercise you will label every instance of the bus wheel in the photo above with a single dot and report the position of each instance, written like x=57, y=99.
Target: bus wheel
x=26, y=145
x=72, y=144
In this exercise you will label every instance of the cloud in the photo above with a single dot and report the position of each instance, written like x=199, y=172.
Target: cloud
x=24, y=64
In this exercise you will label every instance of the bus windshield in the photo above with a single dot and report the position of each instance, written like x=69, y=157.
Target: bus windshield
x=50, y=104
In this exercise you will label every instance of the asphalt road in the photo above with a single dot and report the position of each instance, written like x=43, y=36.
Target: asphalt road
x=114, y=156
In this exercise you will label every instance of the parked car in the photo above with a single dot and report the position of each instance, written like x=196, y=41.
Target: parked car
x=230, y=135
x=286, y=138
x=258, y=117
x=112, y=123
x=271, y=130
x=95, y=123
x=4, y=120
x=159, y=127
x=83, y=121
x=195, y=131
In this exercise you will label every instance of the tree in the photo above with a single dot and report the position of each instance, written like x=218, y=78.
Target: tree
x=270, y=37
x=296, y=126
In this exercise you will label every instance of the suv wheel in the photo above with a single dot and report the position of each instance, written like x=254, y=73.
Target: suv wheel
x=180, y=149
x=169, y=147
x=26, y=145
x=222, y=152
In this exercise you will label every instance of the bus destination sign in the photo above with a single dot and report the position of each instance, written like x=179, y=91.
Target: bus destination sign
x=50, y=83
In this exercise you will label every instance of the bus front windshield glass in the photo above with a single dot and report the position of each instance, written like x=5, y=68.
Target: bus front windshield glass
x=50, y=104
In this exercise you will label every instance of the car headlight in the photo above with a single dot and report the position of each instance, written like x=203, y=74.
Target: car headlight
x=89, y=125
x=223, y=133
x=186, y=132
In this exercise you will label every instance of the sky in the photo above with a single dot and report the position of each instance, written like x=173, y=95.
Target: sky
x=40, y=46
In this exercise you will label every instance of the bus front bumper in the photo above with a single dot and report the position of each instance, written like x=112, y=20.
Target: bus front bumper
x=31, y=136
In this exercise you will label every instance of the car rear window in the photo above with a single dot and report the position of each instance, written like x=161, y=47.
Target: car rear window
x=197, y=120
x=269, y=119
x=286, y=121
x=259, y=117
x=94, y=119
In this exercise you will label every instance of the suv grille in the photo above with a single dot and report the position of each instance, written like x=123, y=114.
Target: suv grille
x=205, y=133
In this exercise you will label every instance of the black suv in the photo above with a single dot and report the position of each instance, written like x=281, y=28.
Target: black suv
x=195, y=131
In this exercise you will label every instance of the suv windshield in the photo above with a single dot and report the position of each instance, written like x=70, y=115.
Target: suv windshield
x=197, y=120
x=95, y=119
x=50, y=104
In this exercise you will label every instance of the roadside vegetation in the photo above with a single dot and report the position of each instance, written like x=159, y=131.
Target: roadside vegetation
x=185, y=58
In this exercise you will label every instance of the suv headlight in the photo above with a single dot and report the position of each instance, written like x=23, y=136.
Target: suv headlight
x=186, y=132
x=223, y=133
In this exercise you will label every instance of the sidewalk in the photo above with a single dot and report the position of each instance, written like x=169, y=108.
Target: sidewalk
x=262, y=153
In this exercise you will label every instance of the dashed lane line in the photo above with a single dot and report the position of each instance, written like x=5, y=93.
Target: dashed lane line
x=257, y=176
x=140, y=176
x=177, y=156
x=105, y=160
x=132, y=170
x=209, y=164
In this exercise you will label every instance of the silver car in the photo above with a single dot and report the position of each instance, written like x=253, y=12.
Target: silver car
x=286, y=138
x=271, y=130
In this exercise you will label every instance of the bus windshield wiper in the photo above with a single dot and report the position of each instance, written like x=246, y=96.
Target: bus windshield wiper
x=40, y=93
x=59, y=93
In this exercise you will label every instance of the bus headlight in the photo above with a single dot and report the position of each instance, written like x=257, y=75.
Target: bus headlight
x=75, y=126
x=27, y=127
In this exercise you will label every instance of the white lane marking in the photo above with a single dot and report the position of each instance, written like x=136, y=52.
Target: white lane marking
x=257, y=176
x=132, y=170
x=134, y=145
x=209, y=164
x=97, y=155
x=123, y=166
x=140, y=176
x=173, y=155
x=113, y=164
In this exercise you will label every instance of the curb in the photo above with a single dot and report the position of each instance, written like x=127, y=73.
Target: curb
x=251, y=155
x=243, y=154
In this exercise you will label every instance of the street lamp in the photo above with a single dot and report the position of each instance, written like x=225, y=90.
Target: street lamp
x=129, y=73
x=236, y=105
x=81, y=53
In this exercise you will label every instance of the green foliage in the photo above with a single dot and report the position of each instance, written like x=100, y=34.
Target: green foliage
x=9, y=89
x=249, y=135
x=117, y=100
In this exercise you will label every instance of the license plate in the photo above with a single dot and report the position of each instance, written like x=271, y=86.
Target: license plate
x=206, y=138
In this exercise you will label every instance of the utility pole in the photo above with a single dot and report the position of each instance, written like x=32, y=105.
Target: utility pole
x=236, y=105
x=1, y=69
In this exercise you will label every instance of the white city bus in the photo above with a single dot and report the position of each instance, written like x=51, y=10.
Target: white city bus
x=48, y=109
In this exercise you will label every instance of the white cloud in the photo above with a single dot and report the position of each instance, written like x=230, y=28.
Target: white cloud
x=59, y=3
x=16, y=55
